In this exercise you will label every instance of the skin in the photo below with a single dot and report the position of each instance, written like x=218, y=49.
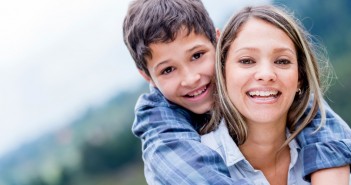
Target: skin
x=338, y=175
x=266, y=62
x=183, y=69
x=262, y=79
x=262, y=62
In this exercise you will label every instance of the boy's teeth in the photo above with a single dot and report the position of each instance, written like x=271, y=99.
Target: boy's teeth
x=263, y=93
x=198, y=92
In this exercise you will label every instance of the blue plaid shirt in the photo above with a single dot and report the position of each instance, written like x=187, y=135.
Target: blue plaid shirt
x=173, y=153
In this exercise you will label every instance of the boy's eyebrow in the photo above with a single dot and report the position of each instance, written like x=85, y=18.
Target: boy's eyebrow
x=193, y=48
x=159, y=64
x=187, y=51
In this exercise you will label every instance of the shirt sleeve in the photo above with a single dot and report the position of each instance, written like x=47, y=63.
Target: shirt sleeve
x=172, y=150
x=328, y=147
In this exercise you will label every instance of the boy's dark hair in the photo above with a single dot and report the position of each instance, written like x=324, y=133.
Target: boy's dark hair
x=159, y=21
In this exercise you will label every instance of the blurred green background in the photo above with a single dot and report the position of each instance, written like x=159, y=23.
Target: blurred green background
x=99, y=148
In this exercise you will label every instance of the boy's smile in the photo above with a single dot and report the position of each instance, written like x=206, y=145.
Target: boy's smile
x=183, y=69
x=198, y=92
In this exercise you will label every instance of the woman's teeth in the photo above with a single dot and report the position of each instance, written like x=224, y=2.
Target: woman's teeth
x=263, y=93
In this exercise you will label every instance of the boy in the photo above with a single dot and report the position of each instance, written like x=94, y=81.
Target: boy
x=173, y=46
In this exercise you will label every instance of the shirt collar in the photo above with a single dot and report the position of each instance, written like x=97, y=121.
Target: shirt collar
x=222, y=142
x=230, y=150
x=294, y=151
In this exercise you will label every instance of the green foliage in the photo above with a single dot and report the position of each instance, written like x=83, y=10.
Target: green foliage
x=329, y=22
x=99, y=148
x=91, y=150
x=110, y=155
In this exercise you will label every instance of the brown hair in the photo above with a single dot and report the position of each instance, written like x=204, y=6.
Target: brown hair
x=153, y=21
x=308, y=71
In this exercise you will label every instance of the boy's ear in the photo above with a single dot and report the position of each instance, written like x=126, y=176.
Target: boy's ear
x=218, y=33
x=146, y=77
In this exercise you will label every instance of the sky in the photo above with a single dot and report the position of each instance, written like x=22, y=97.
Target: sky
x=58, y=58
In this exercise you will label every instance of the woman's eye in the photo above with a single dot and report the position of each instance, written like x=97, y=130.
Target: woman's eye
x=167, y=70
x=197, y=56
x=246, y=61
x=283, y=61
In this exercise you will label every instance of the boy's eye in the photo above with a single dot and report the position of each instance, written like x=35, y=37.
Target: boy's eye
x=197, y=56
x=246, y=61
x=282, y=61
x=167, y=70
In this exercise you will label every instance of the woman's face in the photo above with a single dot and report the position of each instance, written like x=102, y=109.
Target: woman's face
x=261, y=72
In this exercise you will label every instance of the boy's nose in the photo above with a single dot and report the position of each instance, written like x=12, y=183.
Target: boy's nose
x=190, y=79
x=265, y=72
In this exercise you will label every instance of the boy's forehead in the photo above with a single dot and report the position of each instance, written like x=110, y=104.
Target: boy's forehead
x=179, y=49
x=181, y=33
x=183, y=40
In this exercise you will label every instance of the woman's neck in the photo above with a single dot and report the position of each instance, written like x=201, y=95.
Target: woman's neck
x=263, y=150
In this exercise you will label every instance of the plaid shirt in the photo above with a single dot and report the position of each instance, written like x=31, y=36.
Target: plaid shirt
x=173, y=153
x=327, y=148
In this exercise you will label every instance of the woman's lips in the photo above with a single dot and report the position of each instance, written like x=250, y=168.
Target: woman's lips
x=264, y=96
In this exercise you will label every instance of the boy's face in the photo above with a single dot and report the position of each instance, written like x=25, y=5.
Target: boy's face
x=183, y=69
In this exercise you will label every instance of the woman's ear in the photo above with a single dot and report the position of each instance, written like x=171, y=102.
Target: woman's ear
x=146, y=77
x=299, y=84
x=218, y=33
x=299, y=91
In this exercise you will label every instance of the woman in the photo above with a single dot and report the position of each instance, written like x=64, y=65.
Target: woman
x=266, y=72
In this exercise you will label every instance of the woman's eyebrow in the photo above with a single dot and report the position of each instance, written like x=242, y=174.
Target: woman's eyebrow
x=283, y=49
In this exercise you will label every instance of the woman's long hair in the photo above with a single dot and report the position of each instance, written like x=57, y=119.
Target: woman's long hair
x=308, y=70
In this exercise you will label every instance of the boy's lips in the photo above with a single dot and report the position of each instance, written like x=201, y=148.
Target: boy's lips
x=198, y=92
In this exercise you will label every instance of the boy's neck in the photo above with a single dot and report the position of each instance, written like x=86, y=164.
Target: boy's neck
x=199, y=120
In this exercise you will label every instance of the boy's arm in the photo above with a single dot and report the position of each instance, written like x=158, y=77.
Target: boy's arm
x=172, y=151
x=330, y=147
x=336, y=175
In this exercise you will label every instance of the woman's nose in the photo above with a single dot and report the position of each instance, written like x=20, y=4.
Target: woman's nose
x=265, y=72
